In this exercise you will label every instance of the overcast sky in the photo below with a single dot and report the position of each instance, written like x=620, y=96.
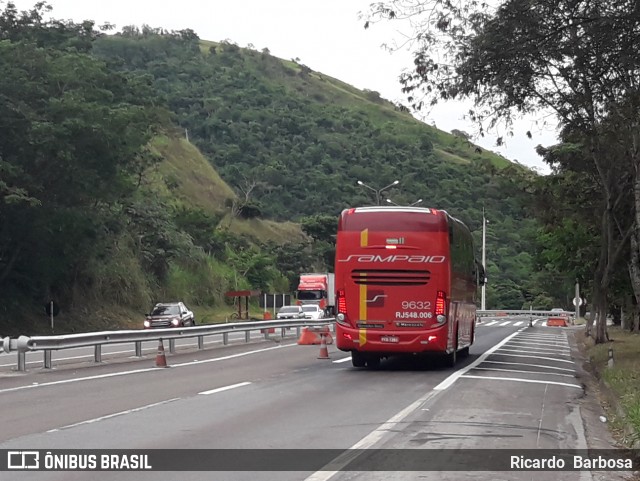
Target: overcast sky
x=326, y=35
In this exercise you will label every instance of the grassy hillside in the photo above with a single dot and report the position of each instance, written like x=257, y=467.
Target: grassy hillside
x=186, y=178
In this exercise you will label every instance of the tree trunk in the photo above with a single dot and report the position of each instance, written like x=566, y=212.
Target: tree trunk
x=601, y=278
x=634, y=263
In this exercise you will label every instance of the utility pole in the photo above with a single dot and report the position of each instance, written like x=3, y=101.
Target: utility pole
x=576, y=301
x=484, y=262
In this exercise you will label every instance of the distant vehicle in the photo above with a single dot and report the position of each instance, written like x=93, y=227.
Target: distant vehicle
x=290, y=312
x=406, y=283
x=318, y=288
x=170, y=314
x=557, y=309
x=313, y=311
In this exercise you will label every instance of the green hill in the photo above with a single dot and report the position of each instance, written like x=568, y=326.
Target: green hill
x=295, y=141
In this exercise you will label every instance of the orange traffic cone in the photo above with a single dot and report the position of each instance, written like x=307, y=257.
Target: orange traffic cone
x=327, y=334
x=324, y=352
x=161, y=359
x=308, y=337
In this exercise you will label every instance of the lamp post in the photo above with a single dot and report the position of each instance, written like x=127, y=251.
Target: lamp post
x=484, y=261
x=378, y=191
x=410, y=205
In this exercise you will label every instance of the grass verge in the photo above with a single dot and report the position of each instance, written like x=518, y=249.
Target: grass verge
x=622, y=379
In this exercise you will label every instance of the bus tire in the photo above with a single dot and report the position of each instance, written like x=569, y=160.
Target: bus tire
x=451, y=358
x=357, y=359
x=373, y=362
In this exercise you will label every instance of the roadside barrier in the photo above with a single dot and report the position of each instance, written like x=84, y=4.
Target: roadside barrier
x=557, y=322
x=324, y=352
x=312, y=335
x=49, y=344
x=161, y=359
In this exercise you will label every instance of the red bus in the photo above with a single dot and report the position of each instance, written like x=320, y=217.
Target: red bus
x=406, y=283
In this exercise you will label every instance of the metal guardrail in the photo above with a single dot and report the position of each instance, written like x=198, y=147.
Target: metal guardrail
x=47, y=344
x=507, y=312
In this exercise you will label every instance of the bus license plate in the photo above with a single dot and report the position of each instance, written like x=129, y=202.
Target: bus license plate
x=389, y=339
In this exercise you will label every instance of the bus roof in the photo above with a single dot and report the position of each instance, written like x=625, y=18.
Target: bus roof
x=401, y=218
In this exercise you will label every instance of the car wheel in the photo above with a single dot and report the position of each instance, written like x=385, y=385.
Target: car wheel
x=193, y=321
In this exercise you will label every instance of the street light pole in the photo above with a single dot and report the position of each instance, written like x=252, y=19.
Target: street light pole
x=484, y=261
x=410, y=205
x=378, y=191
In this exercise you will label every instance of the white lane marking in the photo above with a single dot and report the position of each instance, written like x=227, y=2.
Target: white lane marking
x=491, y=323
x=517, y=379
x=543, y=335
x=137, y=371
x=520, y=370
x=518, y=323
x=539, y=345
x=536, y=357
x=225, y=388
x=453, y=377
x=377, y=434
x=345, y=359
x=533, y=350
x=535, y=322
x=233, y=356
x=553, y=341
x=109, y=416
x=369, y=440
x=507, y=322
x=530, y=365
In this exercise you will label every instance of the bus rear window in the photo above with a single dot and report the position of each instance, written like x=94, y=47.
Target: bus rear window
x=393, y=221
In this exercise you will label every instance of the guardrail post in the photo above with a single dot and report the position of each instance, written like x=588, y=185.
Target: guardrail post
x=47, y=358
x=22, y=362
x=225, y=338
x=283, y=332
x=200, y=342
x=247, y=336
x=172, y=346
x=97, y=353
x=138, y=348
x=298, y=332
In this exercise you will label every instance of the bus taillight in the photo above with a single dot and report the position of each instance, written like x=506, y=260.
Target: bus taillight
x=341, y=303
x=441, y=302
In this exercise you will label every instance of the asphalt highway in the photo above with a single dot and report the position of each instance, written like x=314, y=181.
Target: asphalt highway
x=518, y=389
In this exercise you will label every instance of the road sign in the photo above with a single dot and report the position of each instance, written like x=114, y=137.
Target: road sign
x=577, y=301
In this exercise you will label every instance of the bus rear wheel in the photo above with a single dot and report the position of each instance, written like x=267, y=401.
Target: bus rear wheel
x=451, y=358
x=358, y=359
x=373, y=362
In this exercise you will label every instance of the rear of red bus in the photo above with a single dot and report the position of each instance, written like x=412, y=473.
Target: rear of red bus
x=393, y=278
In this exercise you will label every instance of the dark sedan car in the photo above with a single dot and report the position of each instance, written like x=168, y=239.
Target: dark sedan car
x=172, y=314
